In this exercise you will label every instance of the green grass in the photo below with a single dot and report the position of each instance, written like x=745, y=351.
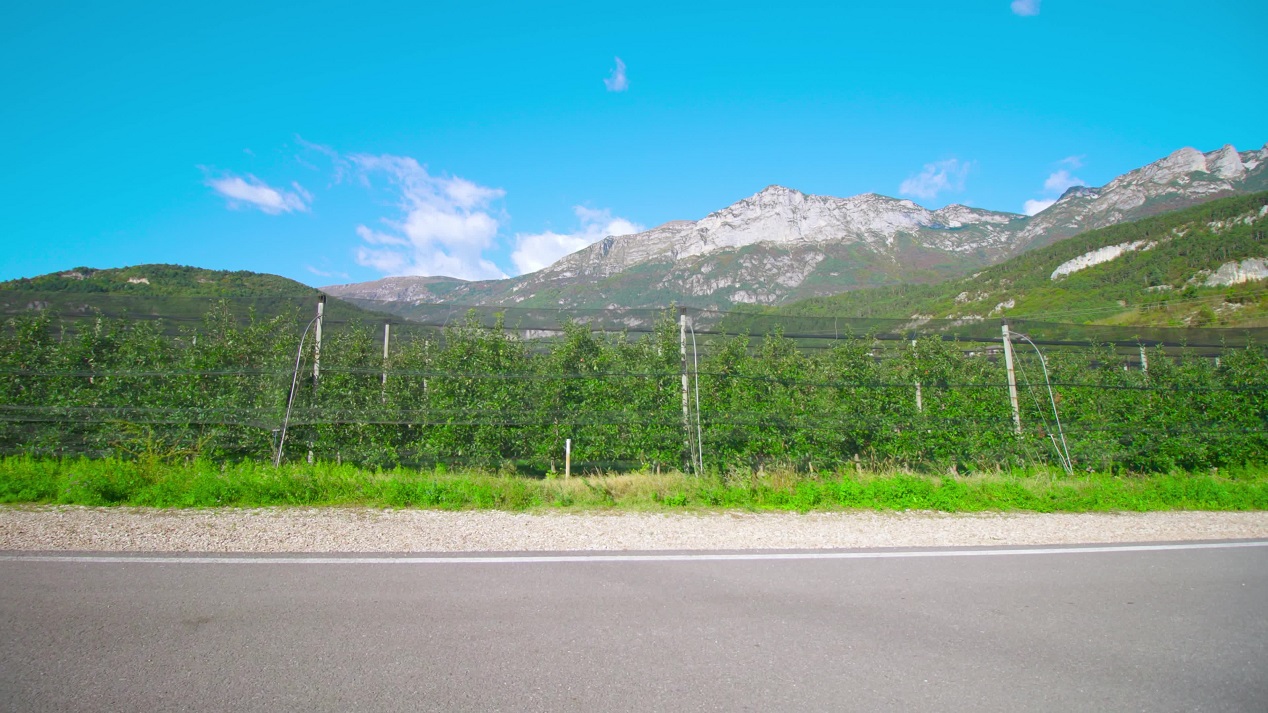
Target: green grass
x=198, y=484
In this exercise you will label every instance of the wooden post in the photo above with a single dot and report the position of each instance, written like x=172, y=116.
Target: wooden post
x=567, y=457
x=321, y=308
x=1012, y=380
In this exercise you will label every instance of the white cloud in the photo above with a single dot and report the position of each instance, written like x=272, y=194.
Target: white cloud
x=1057, y=183
x=1061, y=180
x=374, y=237
x=444, y=227
x=1035, y=205
x=252, y=192
x=449, y=225
x=936, y=177
x=1025, y=8
x=538, y=250
x=617, y=81
x=326, y=273
x=340, y=166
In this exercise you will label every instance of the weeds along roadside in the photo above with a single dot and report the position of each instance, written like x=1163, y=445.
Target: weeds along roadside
x=200, y=484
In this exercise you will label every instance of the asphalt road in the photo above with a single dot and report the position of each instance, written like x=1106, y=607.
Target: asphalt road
x=1152, y=630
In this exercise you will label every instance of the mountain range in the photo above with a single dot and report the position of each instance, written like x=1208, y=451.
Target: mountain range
x=1202, y=266
x=1125, y=253
x=781, y=245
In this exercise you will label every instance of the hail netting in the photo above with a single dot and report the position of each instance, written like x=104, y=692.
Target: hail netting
x=505, y=387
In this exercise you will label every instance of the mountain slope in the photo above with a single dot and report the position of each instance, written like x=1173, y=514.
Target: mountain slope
x=1202, y=266
x=782, y=245
x=761, y=250
x=1184, y=178
x=162, y=280
x=168, y=291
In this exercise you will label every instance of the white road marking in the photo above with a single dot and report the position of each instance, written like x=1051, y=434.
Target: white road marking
x=589, y=557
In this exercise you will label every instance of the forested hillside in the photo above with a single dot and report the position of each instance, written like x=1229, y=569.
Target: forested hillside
x=172, y=292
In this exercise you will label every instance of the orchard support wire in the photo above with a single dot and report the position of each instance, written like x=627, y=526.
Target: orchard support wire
x=290, y=398
x=694, y=448
x=1063, y=450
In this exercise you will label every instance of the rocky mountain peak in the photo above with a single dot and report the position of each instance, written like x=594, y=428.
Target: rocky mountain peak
x=1079, y=192
x=775, y=190
x=1184, y=177
x=1179, y=164
x=1189, y=169
x=769, y=196
x=405, y=289
x=877, y=198
x=956, y=215
x=1226, y=163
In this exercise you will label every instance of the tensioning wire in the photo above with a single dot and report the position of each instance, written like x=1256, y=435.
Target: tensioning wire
x=441, y=376
x=855, y=424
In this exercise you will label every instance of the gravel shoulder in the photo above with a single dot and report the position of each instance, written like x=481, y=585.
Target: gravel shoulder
x=72, y=528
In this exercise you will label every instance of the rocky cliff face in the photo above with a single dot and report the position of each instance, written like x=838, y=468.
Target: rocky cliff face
x=763, y=248
x=781, y=245
x=784, y=217
x=1182, y=179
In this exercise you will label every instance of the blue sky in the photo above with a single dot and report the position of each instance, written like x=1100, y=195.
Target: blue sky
x=337, y=142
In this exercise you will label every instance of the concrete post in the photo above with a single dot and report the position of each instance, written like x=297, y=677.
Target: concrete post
x=686, y=404
x=387, y=332
x=920, y=404
x=1012, y=380
x=321, y=309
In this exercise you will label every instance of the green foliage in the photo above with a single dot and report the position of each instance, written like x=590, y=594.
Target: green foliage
x=173, y=292
x=487, y=397
x=163, y=280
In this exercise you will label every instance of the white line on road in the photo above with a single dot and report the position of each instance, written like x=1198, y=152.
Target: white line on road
x=589, y=557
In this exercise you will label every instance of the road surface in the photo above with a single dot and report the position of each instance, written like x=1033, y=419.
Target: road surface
x=1055, y=629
